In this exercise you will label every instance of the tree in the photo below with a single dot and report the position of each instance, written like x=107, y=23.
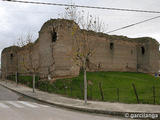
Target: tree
x=83, y=48
x=29, y=61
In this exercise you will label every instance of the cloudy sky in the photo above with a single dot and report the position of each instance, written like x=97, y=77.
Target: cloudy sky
x=18, y=19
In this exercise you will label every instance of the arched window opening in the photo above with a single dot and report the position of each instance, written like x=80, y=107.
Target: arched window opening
x=143, y=50
x=111, y=46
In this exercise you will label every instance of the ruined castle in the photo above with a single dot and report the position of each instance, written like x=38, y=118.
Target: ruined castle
x=50, y=52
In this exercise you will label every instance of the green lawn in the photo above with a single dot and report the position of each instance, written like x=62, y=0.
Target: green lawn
x=111, y=82
x=26, y=80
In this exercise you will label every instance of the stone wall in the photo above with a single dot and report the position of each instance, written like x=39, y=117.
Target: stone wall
x=9, y=61
x=50, y=52
x=28, y=59
x=54, y=53
x=114, y=55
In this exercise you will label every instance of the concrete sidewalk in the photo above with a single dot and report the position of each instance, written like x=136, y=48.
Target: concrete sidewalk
x=118, y=109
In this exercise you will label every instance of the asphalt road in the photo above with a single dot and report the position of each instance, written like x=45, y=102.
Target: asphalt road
x=16, y=107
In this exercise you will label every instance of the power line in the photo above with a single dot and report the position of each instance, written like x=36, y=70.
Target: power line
x=82, y=6
x=131, y=10
x=134, y=24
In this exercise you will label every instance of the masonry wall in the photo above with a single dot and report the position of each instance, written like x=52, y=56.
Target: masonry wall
x=113, y=55
x=148, y=56
x=50, y=53
x=9, y=61
x=28, y=59
x=54, y=54
x=154, y=57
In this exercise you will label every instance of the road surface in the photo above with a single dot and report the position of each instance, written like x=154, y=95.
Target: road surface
x=16, y=107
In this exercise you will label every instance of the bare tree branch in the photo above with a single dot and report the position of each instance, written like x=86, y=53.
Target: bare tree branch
x=82, y=48
x=30, y=64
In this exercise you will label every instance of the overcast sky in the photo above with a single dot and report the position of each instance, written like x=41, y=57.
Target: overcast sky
x=18, y=19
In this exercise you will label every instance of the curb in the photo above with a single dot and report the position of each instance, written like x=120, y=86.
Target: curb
x=88, y=110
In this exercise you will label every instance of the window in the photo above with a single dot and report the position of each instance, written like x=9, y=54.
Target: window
x=11, y=56
x=142, y=50
x=111, y=46
x=54, y=36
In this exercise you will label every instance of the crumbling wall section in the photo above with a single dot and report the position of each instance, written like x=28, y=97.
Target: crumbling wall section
x=147, y=55
x=112, y=54
x=55, y=43
x=9, y=61
x=28, y=59
x=50, y=54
